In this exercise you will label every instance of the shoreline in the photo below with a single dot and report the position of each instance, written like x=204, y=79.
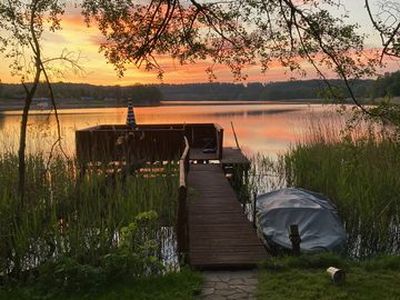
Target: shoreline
x=16, y=108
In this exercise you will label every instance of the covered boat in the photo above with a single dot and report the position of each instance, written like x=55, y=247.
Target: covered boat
x=319, y=225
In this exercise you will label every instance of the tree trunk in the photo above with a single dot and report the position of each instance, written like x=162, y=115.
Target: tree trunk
x=21, y=150
x=22, y=139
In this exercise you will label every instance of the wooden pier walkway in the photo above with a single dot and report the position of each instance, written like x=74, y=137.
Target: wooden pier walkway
x=220, y=235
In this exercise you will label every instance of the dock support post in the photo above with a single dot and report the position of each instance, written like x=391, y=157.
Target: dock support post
x=294, y=237
x=182, y=226
x=254, y=209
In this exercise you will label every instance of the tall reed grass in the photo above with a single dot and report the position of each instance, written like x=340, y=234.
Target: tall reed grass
x=359, y=170
x=68, y=216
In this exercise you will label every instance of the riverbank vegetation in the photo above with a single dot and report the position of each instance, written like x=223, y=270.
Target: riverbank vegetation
x=357, y=169
x=180, y=285
x=79, y=233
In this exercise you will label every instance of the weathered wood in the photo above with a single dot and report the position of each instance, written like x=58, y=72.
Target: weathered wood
x=234, y=156
x=152, y=142
x=254, y=211
x=221, y=237
x=181, y=223
x=294, y=237
x=182, y=227
x=198, y=155
x=105, y=144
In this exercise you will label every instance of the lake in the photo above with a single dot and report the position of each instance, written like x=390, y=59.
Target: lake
x=269, y=128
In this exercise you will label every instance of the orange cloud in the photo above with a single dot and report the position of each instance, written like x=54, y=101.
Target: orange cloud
x=76, y=36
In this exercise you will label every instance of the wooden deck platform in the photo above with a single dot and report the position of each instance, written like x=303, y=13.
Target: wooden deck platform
x=220, y=236
x=233, y=156
x=197, y=154
x=230, y=156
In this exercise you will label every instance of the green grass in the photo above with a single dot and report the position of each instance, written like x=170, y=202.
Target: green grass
x=183, y=285
x=64, y=216
x=362, y=178
x=306, y=278
x=359, y=172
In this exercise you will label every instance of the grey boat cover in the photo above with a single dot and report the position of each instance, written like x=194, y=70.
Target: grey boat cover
x=319, y=224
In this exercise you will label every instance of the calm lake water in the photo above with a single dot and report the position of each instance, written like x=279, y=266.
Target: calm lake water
x=268, y=128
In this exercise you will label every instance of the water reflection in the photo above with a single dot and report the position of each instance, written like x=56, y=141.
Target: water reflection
x=266, y=128
x=2, y=120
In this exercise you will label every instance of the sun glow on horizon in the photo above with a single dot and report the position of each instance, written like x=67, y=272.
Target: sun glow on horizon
x=76, y=37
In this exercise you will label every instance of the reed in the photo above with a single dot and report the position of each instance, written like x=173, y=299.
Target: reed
x=65, y=216
x=357, y=170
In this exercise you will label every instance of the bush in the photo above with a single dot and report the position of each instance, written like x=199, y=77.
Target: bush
x=135, y=256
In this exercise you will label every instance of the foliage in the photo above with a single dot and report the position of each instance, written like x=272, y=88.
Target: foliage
x=301, y=278
x=22, y=25
x=135, y=256
x=234, y=33
x=87, y=92
x=290, y=90
x=171, y=286
x=358, y=171
x=387, y=22
x=387, y=85
x=66, y=274
x=294, y=34
x=361, y=178
x=86, y=222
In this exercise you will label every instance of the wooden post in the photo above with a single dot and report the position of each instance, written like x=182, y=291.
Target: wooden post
x=294, y=237
x=235, y=136
x=254, y=209
x=181, y=232
x=182, y=222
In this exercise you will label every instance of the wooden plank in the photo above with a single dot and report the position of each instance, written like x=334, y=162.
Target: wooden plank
x=221, y=237
x=233, y=156
x=198, y=154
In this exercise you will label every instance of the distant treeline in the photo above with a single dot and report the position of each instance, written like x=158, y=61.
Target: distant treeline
x=290, y=90
x=387, y=85
x=146, y=94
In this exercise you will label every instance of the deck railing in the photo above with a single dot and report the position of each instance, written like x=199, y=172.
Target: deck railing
x=157, y=142
x=182, y=223
x=220, y=139
x=115, y=143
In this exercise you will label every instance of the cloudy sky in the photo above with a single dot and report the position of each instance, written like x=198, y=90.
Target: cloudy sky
x=75, y=36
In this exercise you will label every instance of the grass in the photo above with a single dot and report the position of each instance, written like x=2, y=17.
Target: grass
x=305, y=277
x=65, y=216
x=358, y=170
x=361, y=177
x=183, y=285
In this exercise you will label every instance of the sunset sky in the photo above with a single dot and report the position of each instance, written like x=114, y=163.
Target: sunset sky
x=75, y=36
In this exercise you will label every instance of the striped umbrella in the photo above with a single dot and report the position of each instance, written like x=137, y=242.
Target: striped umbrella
x=130, y=118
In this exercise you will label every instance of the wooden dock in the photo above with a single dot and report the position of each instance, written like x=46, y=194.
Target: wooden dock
x=212, y=231
x=220, y=235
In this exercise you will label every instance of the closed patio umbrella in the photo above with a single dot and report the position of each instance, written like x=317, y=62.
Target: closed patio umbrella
x=130, y=118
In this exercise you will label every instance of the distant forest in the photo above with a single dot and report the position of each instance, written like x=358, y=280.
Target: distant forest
x=146, y=94
x=290, y=90
x=387, y=85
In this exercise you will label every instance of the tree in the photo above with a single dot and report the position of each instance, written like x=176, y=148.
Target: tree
x=386, y=20
x=238, y=33
x=22, y=26
x=235, y=33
